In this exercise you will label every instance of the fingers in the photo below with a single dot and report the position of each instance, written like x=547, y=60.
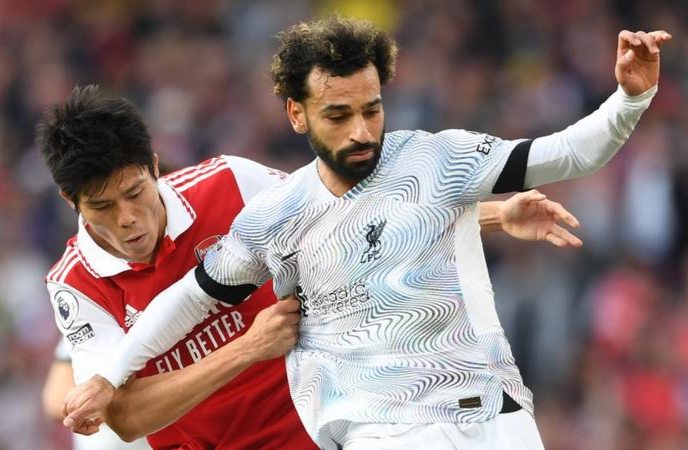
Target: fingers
x=533, y=195
x=560, y=213
x=555, y=209
x=562, y=238
x=648, y=42
x=89, y=426
x=86, y=401
x=76, y=417
x=628, y=39
x=76, y=412
x=294, y=318
x=288, y=304
x=630, y=42
x=660, y=37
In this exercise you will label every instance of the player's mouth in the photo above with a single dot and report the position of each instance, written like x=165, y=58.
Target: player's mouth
x=135, y=240
x=361, y=156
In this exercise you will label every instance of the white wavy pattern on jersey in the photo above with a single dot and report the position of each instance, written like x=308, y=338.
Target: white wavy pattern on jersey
x=405, y=350
x=453, y=173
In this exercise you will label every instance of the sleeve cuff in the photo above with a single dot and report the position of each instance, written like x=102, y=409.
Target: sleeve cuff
x=640, y=100
x=113, y=375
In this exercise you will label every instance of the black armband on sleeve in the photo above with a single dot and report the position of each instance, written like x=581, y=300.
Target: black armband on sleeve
x=513, y=176
x=233, y=295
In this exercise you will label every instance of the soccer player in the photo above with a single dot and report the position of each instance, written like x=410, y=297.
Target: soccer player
x=400, y=346
x=137, y=235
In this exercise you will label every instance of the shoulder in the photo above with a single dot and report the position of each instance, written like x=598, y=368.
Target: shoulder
x=73, y=275
x=449, y=136
x=452, y=142
x=241, y=175
x=278, y=202
x=413, y=139
x=70, y=268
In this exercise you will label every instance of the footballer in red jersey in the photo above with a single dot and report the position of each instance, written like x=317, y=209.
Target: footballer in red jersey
x=137, y=235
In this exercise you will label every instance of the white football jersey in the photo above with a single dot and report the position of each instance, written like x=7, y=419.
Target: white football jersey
x=398, y=319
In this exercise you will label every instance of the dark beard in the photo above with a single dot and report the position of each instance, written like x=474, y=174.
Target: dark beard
x=354, y=172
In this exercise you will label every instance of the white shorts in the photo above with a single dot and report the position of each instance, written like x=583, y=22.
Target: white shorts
x=510, y=431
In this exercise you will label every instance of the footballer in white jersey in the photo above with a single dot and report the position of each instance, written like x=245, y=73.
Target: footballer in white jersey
x=379, y=238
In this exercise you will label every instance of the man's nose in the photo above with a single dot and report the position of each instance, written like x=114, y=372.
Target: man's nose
x=126, y=216
x=360, y=132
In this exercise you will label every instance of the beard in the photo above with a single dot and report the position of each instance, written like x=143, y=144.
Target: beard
x=355, y=171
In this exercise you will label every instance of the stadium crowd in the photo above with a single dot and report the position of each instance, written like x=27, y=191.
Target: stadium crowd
x=601, y=333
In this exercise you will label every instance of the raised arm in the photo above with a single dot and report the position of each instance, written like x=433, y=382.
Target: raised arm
x=591, y=142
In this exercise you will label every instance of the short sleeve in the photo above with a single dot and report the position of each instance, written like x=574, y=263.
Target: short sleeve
x=90, y=333
x=232, y=263
x=252, y=177
x=467, y=164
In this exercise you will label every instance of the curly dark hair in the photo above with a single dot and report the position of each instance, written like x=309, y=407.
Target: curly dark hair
x=88, y=138
x=337, y=45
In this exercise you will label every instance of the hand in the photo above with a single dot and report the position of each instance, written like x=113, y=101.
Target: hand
x=85, y=403
x=637, y=60
x=531, y=217
x=274, y=331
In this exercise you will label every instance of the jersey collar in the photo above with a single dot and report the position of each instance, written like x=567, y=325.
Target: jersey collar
x=100, y=263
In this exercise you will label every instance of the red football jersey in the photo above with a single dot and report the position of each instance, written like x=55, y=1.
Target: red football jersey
x=97, y=297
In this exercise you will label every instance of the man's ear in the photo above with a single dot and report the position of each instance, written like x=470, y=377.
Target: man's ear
x=296, y=111
x=66, y=198
x=156, y=169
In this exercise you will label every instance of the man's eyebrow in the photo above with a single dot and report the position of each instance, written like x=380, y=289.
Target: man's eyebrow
x=96, y=202
x=335, y=108
x=134, y=187
x=372, y=103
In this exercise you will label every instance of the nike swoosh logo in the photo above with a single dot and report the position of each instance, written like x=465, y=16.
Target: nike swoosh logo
x=286, y=257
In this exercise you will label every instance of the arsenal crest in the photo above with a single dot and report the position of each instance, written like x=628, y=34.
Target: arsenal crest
x=205, y=245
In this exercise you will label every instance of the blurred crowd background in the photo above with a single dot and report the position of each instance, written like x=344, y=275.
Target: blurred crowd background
x=600, y=333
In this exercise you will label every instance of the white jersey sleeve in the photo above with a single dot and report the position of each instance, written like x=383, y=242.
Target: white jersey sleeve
x=457, y=166
x=233, y=263
x=165, y=321
x=472, y=166
x=90, y=333
x=589, y=144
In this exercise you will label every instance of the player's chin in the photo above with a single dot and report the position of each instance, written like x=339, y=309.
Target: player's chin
x=361, y=169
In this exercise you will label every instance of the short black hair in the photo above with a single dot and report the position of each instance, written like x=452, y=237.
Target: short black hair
x=340, y=46
x=89, y=138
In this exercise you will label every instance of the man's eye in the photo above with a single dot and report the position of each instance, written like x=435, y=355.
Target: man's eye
x=336, y=119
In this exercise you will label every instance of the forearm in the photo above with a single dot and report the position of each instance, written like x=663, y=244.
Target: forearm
x=587, y=145
x=490, y=220
x=148, y=404
x=167, y=319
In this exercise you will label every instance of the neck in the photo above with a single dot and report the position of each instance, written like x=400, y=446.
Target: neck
x=337, y=185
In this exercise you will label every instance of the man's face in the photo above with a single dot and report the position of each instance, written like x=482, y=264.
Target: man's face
x=128, y=217
x=345, y=121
